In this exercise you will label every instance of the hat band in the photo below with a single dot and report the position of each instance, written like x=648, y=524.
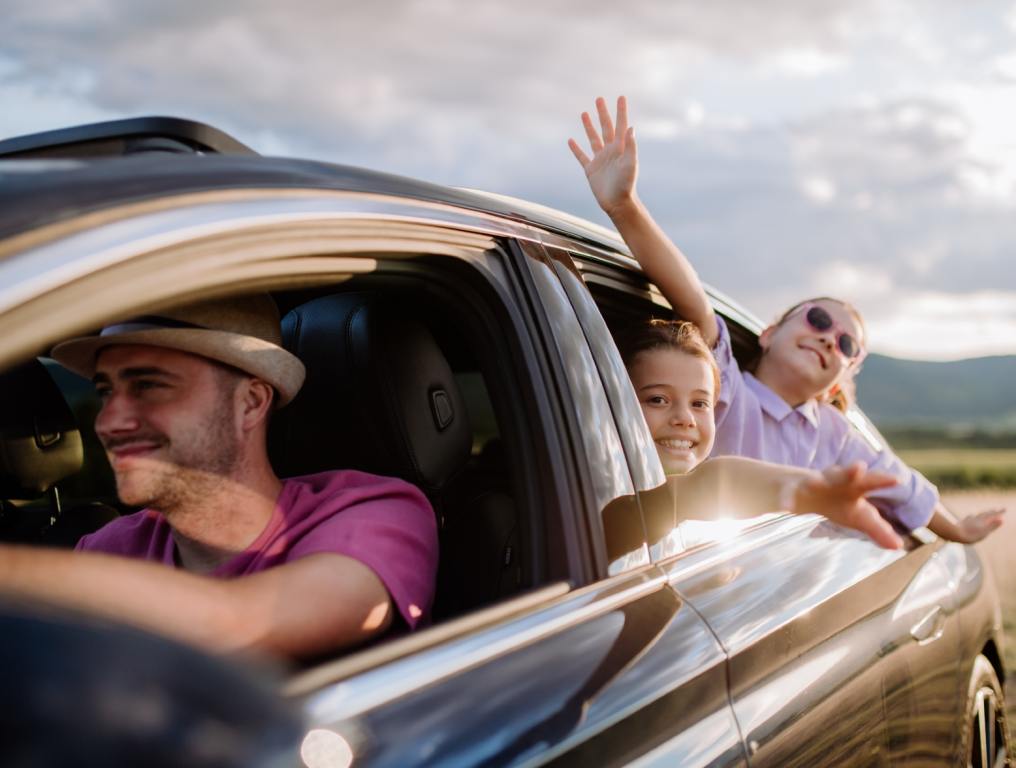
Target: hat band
x=147, y=323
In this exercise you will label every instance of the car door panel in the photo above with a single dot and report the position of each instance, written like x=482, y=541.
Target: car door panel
x=800, y=607
x=921, y=686
x=539, y=686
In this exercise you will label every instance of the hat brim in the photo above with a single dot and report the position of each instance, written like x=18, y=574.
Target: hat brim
x=260, y=358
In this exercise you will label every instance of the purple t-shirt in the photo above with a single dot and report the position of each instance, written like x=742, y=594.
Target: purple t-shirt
x=385, y=523
x=753, y=421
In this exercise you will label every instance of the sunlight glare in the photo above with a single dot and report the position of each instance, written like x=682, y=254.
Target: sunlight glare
x=325, y=749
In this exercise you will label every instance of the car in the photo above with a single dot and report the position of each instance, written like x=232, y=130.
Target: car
x=464, y=341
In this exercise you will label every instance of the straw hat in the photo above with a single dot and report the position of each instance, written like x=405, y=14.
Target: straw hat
x=241, y=332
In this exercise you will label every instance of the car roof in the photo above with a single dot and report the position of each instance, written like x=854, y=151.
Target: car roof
x=57, y=175
x=36, y=192
x=85, y=168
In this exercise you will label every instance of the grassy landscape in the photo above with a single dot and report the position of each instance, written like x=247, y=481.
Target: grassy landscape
x=957, y=468
x=955, y=458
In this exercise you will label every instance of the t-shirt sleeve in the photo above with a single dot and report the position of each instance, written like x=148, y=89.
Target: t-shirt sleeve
x=393, y=532
x=911, y=501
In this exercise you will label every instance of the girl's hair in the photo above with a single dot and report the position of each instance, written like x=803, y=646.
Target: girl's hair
x=667, y=334
x=845, y=392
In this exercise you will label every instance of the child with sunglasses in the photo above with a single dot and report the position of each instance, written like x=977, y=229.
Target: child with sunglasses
x=788, y=409
x=677, y=383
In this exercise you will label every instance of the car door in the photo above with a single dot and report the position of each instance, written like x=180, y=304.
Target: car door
x=839, y=651
x=816, y=622
x=552, y=265
x=923, y=698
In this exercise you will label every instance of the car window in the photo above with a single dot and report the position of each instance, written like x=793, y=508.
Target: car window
x=623, y=301
x=491, y=523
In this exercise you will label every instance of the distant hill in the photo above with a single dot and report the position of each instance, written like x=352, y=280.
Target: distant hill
x=976, y=393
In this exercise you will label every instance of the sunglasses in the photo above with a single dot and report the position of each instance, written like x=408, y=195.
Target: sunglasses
x=822, y=321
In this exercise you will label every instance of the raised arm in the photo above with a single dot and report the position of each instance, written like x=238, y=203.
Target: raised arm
x=733, y=486
x=612, y=172
x=316, y=604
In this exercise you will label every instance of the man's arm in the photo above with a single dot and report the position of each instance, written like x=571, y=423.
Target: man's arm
x=316, y=604
x=732, y=486
x=612, y=172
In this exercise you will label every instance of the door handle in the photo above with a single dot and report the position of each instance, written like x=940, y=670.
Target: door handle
x=930, y=628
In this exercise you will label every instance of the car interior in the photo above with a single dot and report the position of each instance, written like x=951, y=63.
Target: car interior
x=398, y=383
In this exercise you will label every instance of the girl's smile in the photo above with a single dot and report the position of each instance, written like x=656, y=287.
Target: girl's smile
x=677, y=392
x=802, y=362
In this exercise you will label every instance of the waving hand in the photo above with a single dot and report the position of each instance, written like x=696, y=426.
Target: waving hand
x=613, y=168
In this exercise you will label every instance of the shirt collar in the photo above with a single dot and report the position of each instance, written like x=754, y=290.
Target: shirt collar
x=776, y=407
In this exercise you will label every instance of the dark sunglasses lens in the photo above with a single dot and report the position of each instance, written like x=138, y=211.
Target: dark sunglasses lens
x=848, y=346
x=819, y=319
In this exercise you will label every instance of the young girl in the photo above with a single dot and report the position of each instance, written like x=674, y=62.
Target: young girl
x=781, y=412
x=677, y=383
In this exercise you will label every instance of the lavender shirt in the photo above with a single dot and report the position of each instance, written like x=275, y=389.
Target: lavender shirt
x=753, y=421
x=385, y=523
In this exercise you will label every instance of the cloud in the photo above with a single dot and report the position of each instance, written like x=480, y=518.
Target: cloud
x=334, y=73
x=944, y=326
x=790, y=147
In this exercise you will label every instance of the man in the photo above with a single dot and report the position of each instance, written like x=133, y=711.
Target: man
x=295, y=567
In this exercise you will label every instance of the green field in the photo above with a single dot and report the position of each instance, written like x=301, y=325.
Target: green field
x=963, y=468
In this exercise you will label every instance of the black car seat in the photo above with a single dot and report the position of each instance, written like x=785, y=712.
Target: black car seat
x=381, y=397
x=40, y=445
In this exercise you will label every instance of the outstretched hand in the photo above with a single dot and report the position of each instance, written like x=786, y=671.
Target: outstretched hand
x=839, y=493
x=973, y=528
x=613, y=168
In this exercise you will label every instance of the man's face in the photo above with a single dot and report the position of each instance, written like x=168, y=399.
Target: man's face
x=168, y=423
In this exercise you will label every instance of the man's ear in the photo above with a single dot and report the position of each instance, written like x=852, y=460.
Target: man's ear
x=257, y=398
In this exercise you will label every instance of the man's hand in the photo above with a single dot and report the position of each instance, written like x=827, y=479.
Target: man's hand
x=839, y=493
x=613, y=169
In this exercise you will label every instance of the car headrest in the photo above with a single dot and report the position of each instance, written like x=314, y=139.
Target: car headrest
x=379, y=395
x=39, y=439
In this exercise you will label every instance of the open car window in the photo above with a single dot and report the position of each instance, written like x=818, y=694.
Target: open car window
x=626, y=300
x=411, y=373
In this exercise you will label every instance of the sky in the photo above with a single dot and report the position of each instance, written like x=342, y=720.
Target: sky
x=863, y=149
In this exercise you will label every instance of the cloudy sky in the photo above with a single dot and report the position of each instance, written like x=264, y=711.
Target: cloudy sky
x=860, y=148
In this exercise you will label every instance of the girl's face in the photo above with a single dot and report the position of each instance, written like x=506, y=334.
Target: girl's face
x=676, y=391
x=803, y=361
